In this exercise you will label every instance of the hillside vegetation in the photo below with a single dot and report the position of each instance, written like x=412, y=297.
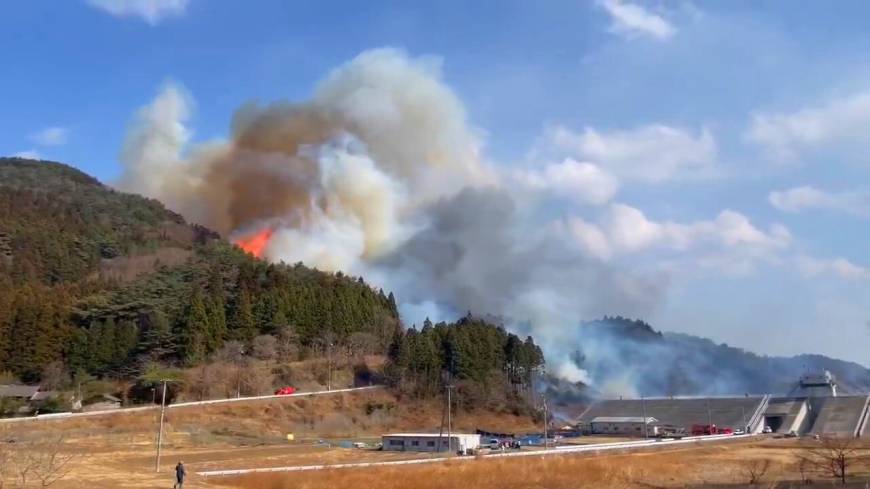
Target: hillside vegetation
x=98, y=284
x=652, y=363
x=106, y=282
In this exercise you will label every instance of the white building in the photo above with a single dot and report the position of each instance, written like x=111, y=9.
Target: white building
x=818, y=384
x=621, y=425
x=428, y=442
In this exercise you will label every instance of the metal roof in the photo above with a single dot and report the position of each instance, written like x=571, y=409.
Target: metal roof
x=43, y=395
x=18, y=390
x=623, y=419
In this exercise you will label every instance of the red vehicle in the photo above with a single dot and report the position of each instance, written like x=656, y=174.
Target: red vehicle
x=284, y=391
x=710, y=429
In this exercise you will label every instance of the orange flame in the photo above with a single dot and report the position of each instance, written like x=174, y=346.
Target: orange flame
x=255, y=243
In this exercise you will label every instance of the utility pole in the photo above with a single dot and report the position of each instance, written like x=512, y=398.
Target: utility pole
x=449, y=419
x=160, y=432
x=709, y=417
x=544, y=399
x=329, y=365
x=643, y=411
x=239, y=372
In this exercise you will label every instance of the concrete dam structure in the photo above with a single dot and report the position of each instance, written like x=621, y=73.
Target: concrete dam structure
x=812, y=407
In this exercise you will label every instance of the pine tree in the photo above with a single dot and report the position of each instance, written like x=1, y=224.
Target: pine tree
x=398, y=359
x=217, y=310
x=194, y=331
x=243, y=326
x=126, y=337
x=392, y=303
x=105, y=346
x=217, y=323
x=157, y=341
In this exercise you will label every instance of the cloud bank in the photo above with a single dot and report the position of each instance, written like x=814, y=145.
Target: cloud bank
x=151, y=11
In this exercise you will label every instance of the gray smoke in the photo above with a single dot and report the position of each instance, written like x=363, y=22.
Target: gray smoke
x=381, y=175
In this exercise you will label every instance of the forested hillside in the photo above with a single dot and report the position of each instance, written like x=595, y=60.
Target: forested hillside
x=97, y=281
x=497, y=366
x=628, y=357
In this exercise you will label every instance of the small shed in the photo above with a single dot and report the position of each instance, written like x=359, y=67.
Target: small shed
x=431, y=442
x=621, y=425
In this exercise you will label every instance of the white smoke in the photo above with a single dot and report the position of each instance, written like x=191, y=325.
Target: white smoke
x=151, y=155
x=382, y=175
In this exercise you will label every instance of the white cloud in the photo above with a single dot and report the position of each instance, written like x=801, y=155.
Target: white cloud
x=838, y=267
x=152, y=11
x=843, y=121
x=51, y=136
x=653, y=153
x=798, y=199
x=579, y=181
x=631, y=20
x=589, y=237
x=626, y=230
x=31, y=154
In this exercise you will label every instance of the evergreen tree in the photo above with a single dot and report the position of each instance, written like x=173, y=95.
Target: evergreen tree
x=126, y=337
x=398, y=359
x=157, y=341
x=194, y=331
x=105, y=346
x=244, y=327
x=217, y=323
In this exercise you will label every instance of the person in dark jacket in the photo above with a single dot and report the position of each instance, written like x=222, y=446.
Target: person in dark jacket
x=180, y=473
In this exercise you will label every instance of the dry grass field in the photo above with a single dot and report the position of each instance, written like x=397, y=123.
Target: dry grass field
x=118, y=451
x=723, y=464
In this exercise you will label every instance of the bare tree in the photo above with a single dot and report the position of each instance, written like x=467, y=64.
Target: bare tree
x=39, y=463
x=255, y=382
x=804, y=467
x=360, y=344
x=55, y=376
x=755, y=470
x=265, y=347
x=288, y=344
x=833, y=457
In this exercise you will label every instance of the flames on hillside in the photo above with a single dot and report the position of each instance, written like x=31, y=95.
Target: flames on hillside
x=255, y=243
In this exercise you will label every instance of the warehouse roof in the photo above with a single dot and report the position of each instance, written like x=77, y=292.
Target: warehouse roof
x=623, y=419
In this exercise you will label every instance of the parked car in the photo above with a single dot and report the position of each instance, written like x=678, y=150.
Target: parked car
x=285, y=391
x=767, y=430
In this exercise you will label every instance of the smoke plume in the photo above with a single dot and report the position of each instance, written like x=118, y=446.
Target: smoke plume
x=381, y=174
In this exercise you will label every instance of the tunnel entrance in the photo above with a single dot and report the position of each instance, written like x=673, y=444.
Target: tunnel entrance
x=775, y=422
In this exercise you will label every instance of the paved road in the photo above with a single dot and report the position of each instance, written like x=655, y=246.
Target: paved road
x=599, y=447
x=45, y=417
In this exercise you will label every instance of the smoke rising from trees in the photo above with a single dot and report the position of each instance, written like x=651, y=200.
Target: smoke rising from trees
x=381, y=174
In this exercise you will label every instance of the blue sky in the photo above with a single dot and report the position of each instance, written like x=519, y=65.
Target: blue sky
x=693, y=108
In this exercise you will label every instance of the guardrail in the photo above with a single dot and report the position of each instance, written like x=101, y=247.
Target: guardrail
x=549, y=452
x=52, y=416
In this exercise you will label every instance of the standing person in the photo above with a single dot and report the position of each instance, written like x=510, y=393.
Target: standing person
x=179, y=475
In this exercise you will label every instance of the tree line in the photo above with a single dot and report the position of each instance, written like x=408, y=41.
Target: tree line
x=483, y=359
